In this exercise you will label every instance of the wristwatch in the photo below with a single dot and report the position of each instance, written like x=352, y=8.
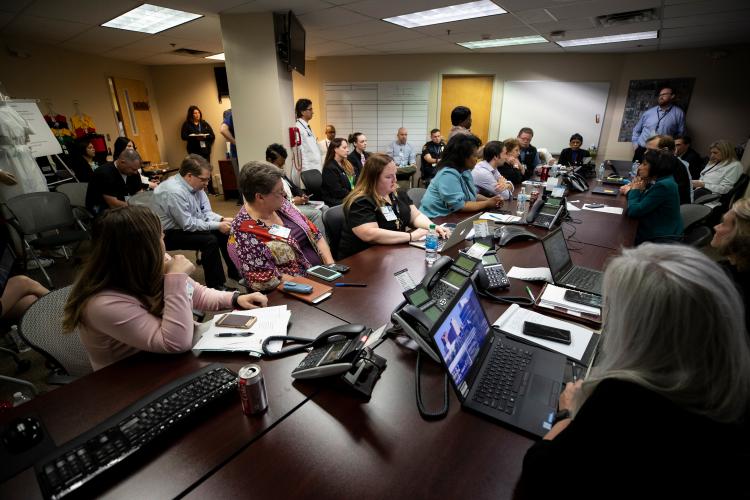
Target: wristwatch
x=235, y=300
x=561, y=415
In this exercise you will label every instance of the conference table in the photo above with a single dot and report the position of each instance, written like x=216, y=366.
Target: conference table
x=317, y=440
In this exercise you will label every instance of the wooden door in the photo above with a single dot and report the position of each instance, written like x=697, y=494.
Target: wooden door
x=134, y=111
x=472, y=91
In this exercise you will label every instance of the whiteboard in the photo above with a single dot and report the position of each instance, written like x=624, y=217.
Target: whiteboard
x=378, y=110
x=555, y=111
x=41, y=141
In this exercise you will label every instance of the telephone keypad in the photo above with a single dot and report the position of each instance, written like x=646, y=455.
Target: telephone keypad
x=442, y=294
x=497, y=276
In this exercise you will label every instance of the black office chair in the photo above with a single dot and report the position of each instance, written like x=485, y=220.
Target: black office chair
x=333, y=220
x=313, y=181
x=416, y=195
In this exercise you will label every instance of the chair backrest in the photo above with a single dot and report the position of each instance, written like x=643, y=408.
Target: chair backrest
x=41, y=327
x=75, y=191
x=40, y=212
x=416, y=195
x=313, y=181
x=333, y=220
x=144, y=198
x=698, y=237
x=693, y=214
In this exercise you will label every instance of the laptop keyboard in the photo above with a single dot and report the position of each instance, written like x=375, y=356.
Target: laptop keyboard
x=583, y=278
x=504, y=378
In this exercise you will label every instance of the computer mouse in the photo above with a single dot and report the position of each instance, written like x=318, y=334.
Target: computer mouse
x=22, y=434
x=506, y=234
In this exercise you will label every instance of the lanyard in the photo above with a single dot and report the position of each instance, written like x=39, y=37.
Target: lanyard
x=660, y=118
x=394, y=207
x=307, y=129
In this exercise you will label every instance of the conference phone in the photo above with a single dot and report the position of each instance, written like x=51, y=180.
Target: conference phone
x=546, y=212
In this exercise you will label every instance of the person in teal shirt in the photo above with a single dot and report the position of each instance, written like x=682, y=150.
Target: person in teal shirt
x=654, y=200
x=452, y=189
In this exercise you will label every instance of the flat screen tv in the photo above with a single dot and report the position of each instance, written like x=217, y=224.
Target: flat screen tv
x=296, y=38
x=222, y=85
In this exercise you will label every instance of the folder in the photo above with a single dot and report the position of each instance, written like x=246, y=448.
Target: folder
x=319, y=294
x=549, y=301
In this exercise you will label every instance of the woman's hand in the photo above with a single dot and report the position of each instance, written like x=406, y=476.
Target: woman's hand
x=569, y=397
x=698, y=184
x=442, y=232
x=418, y=234
x=252, y=300
x=179, y=265
x=638, y=183
x=625, y=188
x=300, y=200
x=7, y=178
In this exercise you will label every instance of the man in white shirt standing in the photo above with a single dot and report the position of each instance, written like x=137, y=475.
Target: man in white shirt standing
x=324, y=143
x=309, y=152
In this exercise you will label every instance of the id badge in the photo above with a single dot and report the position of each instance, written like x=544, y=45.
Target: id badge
x=280, y=231
x=203, y=144
x=388, y=213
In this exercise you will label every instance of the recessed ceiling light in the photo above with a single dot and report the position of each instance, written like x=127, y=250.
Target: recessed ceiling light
x=448, y=14
x=626, y=37
x=150, y=19
x=503, y=42
x=218, y=57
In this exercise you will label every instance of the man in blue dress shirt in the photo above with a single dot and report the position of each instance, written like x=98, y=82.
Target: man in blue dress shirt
x=404, y=156
x=664, y=119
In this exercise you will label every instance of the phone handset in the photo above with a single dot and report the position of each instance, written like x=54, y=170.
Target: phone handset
x=420, y=324
x=332, y=335
x=534, y=210
x=436, y=272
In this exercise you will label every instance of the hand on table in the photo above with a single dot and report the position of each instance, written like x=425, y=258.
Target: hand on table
x=494, y=202
x=419, y=234
x=252, y=300
x=442, y=232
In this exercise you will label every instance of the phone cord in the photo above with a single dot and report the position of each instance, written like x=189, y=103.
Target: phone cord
x=420, y=406
x=301, y=344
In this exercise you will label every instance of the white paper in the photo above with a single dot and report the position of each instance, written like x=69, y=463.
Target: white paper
x=512, y=320
x=531, y=274
x=271, y=321
x=505, y=218
x=555, y=295
x=572, y=208
x=606, y=210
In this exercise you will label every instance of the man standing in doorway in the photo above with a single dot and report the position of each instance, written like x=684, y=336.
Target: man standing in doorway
x=663, y=119
x=528, y=159
x=308, y=148
x=461, y=121
x=324, y=143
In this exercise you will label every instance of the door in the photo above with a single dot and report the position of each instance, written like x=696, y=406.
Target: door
x=472, y=91
x=131, y=103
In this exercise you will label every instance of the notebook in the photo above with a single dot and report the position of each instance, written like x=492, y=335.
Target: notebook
x=458, y=235
x=506, y=381
x=564, y=272
x=319, y=294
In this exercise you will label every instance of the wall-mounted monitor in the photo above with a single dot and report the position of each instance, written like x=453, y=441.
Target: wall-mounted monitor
x=296, y=37
x=222, y=84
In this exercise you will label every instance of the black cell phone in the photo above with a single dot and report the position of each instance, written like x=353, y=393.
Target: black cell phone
x=546, y=332
x=341, y=268
x=587, y=299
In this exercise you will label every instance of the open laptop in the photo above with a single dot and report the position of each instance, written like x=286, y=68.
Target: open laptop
x=506, y=381
x=564, y=272
x=457, y=235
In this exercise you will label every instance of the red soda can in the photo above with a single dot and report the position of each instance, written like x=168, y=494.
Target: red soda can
x=252, y=390
x=544, y=174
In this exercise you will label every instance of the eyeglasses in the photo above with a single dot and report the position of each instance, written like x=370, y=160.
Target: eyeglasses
x=281, y=193
x=202, y=179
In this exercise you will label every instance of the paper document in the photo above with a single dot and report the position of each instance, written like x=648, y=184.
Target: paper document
x=271, y=321
x=531, y=274
x=606, y=210
x=511, y=322
x=572, y=208
x=555, y=296
x=504, y=218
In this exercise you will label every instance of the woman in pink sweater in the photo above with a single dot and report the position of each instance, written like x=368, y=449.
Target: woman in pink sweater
x=131, y=296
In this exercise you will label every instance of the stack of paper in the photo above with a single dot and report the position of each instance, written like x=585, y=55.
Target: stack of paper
x=555, y=296
x=271, y=321
x=531, y=273
x=502, y=218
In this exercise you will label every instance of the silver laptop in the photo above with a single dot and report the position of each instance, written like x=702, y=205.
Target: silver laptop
x=457, y=235
x=564, y=272
x=507, y=381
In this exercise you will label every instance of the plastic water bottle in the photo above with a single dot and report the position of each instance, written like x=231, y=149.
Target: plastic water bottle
x=634, y=169
x=600, y=172
x=521, y=202
x=430, y=246
x=20, y=344
x=20, y=398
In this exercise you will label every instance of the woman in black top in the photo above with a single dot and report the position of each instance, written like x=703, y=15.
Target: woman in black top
x=574, y=155
x=339, y=176
x=198, y=133
x=358, y=156
x=664, y=411
x=83, y=163
x=376, y=214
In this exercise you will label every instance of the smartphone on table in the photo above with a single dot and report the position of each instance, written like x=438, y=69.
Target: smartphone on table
x=236, y=321
x=546, y=332
x=323, y=273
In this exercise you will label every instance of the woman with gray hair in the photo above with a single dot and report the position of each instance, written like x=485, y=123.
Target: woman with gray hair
x=269, y=238
x=664, y=411
x=732, y=240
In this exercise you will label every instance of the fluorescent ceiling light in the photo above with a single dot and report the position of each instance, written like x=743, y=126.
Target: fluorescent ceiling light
x=150, y=19
x=448, y=14
x=503, y=42
x=218, y=57
x=626, y=37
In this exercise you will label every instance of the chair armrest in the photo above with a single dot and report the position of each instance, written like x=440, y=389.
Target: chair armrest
x=706, y=198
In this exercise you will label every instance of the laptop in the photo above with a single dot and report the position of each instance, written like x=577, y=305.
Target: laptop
x=608, y=191
x=458, y=235
x=509, y=382
x=564, y=272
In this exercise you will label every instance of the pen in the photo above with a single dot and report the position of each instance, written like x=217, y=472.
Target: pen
x=233, y=334
x=528, y=290
x=351, y=284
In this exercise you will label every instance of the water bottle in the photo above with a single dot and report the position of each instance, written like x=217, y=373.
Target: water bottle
x=21, y=346
x=634, y=170
x=600, y=172
x=430, y=246
x=20, y=398
x=521, y=201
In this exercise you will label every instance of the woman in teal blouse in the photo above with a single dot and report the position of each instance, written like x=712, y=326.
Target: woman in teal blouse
x=654, y=200
x=452, y=189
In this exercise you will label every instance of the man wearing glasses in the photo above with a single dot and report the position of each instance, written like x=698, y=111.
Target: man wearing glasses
x=188, y=222
x=663, y=119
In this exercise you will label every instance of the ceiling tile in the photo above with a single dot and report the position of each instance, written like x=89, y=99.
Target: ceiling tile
x=16, y=6
x=519, y=5
x=103, y=38
x=202, y=6
x=42, y=29
x=533, y=16
x=93, y=12
x=362, y=29
x=299, y=7
x=703, y=7
x=335, y=16
x=168, y=59
x=594, y=9
x=398, y=36
x=716, y=19
x=566, y=25
x=480, y=25
x=204, y=28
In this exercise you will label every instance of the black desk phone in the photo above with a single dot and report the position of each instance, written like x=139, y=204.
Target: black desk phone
x=334, y=352
x=546, y=212
x=491, y=274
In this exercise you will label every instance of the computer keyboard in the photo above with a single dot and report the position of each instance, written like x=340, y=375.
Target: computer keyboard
x=504, y=378
x=80, y=460
x=583, y=278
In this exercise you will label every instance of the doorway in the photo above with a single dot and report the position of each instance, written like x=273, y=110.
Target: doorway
x=131, y=104
x=472, y=91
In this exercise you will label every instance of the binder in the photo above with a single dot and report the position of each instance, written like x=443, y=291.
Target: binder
x=594, y=320
x=319, y=294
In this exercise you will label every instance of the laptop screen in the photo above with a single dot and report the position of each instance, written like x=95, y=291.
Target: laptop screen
x=558, y=257
x=461, y=335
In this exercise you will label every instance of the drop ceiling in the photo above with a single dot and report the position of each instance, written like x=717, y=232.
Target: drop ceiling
x=354, y=27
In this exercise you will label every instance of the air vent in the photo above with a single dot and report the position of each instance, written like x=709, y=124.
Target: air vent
x=635, y=16
x=191, y=52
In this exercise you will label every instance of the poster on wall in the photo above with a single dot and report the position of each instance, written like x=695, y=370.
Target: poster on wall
x=643, y=94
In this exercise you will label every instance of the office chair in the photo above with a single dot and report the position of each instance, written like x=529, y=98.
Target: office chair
x=333, y=220
x=41, y=328
x=313, y=181
x=416, y=195
x=34, y=214
x=76, y=193
x=725, y=200
x=695, y=219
